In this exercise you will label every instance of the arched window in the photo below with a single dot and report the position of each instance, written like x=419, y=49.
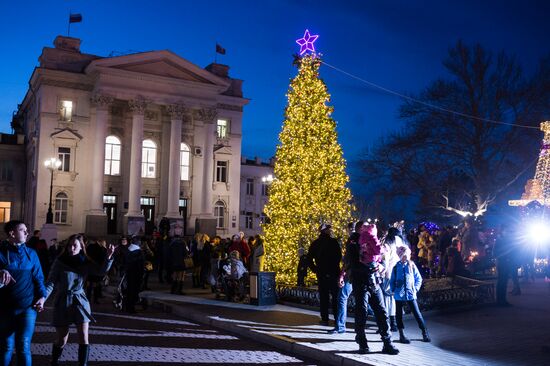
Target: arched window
x=185, y=154
x=219, y=214
x=112, y=155
x=61, y=208
x=148, y=159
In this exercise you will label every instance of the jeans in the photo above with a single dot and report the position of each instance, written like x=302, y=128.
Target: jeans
x=342, y=313
x=368, y=293
x=413, y=305
x=16, y=333
x=328, y=285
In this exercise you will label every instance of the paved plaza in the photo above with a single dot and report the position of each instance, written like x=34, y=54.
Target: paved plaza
x=198, y=329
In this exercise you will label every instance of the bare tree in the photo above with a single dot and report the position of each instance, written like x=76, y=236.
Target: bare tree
x=454, y=155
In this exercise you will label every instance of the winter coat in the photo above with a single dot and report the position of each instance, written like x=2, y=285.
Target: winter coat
x=24, y=266
x=242, y=248
x=257, y=257
x=426, y=244
x=234, y=269
x=452, y=262
x=405, y=281
x=177, y=253
x=325, y=255
x=70, y=302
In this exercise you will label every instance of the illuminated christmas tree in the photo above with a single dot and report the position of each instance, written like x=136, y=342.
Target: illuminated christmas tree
x=538, y=189
x=310, y=179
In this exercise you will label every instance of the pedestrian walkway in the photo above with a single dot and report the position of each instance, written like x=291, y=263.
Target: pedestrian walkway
x=155, y=338
x=483, y=336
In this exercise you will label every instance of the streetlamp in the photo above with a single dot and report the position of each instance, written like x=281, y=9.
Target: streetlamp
x=51, y=164
x=267, y=179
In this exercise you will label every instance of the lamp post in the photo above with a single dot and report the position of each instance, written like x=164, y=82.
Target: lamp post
x=51, y=164
x=268, y=178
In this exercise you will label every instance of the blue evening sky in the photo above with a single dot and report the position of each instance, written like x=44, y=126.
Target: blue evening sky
x=396, y=44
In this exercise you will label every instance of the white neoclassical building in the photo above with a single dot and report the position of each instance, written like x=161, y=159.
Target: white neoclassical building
x=140, y=137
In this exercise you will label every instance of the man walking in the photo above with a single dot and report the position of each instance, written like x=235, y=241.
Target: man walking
x=325, y=255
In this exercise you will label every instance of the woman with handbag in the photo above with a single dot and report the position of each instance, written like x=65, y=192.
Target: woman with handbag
x=180, y=261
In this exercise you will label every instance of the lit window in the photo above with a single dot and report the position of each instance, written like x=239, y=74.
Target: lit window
x=66, y=111
x=112, y=155
x=183, y=207
x=221, y=171
x=109, y=199
x=64, y=155
x=61, y=208
x=185, y=154
x=5, y=209
x=249, y=220
x=222, y=128
x=148, y=159
x=219, y=214
x=249, y=187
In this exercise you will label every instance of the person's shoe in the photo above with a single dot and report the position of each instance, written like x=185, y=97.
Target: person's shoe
x=323, y=322
x=336, y=331
x=393, y=324
x=403, y=338
x=426, y=336
x=389, y=349
x=83, y=352
x=363, y=350
x=504, y=304
x=56, y=354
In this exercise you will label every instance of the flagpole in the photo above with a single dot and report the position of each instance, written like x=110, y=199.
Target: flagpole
x=216, y=53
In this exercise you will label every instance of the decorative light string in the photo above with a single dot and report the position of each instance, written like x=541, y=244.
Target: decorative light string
x=411, y=99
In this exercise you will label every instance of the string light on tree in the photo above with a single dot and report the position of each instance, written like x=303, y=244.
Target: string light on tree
x=538, y=189
x=310, y=185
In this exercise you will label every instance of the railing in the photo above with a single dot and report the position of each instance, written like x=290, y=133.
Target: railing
x=435, y=293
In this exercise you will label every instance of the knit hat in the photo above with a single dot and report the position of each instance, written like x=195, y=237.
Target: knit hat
x=324, y=226
x=401, y=250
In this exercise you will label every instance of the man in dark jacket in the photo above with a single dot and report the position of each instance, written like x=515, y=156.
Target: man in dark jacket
x=504, y=253
x=367, y=291
x=324, y=258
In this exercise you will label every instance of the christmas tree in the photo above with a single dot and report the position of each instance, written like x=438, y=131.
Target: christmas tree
x=538, y=189
x=310, y=179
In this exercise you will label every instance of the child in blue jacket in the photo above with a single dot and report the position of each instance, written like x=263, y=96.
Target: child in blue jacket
x=405, y=282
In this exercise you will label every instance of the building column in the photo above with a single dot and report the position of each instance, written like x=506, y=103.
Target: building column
x=96, y=221
x=177, y=112
x=134, y=218
x=206, y=223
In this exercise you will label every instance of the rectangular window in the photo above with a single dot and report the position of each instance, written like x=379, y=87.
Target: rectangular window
x=109, y=198
x=6, y=171
x=250, y=187
x=221, y=171
x=66, y=111
x=64, y=154
x=265, y=189
x=222, y=128
x=147, y=201
x=5, y=210
x=60, y=210
x=249, y=220
x=263, y=218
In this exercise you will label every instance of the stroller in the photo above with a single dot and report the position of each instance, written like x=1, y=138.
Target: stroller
x=122, y=301
x=233, y=278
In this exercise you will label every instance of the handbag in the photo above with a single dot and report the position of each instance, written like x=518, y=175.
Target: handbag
x=188, y=263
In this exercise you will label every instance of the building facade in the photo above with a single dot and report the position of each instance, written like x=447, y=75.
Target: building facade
x=140, y=137
x=12, y=178
x=256, y=176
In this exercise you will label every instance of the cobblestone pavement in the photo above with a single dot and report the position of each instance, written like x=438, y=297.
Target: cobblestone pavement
x=154, y=338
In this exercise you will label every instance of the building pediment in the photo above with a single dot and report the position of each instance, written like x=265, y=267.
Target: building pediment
x=158, y=63
x=66, y=134
x=223, y=150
